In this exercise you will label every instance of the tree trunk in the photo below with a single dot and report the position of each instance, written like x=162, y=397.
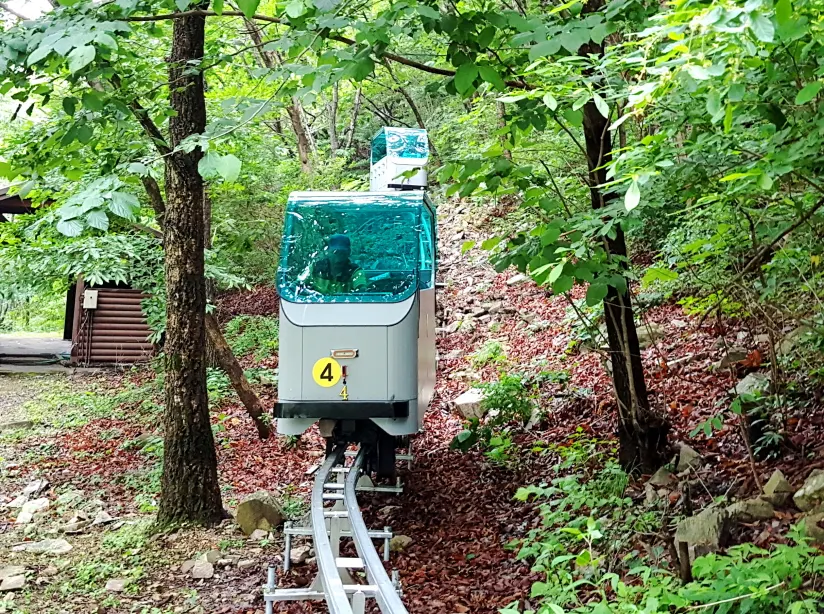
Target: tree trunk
x=642, y=433
x=269, y=59
x=333, y=121
x=189, y=486
x=350, y=131
x=212, y=360
x=227, y=360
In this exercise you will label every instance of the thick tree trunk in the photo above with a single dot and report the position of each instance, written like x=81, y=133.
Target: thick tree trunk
x=642, y=433
x=212, y=359
x=350, y=131
x=189, y=486
x=333, y=121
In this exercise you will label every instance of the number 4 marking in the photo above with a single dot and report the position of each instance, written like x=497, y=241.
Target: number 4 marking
x=327, y=373
x=344, y=394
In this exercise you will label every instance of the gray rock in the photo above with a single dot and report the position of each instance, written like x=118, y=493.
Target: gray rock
x=751, y=510
x=687, y=458
x=102, y=517
x=202, y=570
x=468, y=404
x=299, y=554
x=649, y=333
x=814, y=527
x=706, y=532
x=399, y=543
x=733, y=355
x=753, y=383
x=793, y=339
x=762, y=339
x=30, y=508
x=117, y=585
x=518, y=279
x=662, y=477
x=18, y=502
x=259, y=511
x=35, y=488
x=541, y=325
x=49, y=571
x=650, y=494
x=186, y=566
x=811, y=495
x=246, y=564
x=680, y=323
x=213, y=556
x=11, y=570
x=778, y=490
x=75, y=525
x=259, y=535
x=13, y=583
x=69, y=498
x=48, y=546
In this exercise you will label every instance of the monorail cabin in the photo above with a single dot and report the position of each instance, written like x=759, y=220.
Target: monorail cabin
x=357, y=287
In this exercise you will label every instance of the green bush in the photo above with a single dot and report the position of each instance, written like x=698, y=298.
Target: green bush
x=258, y=334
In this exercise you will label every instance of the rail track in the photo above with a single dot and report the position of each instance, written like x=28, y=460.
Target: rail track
x=337, y=581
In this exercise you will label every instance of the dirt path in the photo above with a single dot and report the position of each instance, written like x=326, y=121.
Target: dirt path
x=16, y=391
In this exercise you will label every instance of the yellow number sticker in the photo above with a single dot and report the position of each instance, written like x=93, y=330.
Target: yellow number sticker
x=326, y=372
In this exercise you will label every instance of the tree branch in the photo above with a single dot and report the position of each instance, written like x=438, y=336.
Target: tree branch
x=11, y=11
x=445, y=72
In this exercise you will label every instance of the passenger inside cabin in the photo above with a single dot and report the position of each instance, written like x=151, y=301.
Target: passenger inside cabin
x=335, y=273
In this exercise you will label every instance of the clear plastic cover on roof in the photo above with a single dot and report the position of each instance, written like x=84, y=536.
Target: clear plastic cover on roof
x=410, y=144
x=356, y=247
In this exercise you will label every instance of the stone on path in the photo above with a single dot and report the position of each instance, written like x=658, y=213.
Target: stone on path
x=468, y=404
x=299, y=554
x=117, y=585
x=662, y=477
x=213, y=556
x=732, y=356
x=102, y=517
x=518, y=279
x=17, y=502
x=811, y=495
x=259, y=510
x=186, y=566
x=259, y=535
x=814, y=527
x=246, y=564
x=793, y=339
x=35, y=488
x=753, y=383
x=399, y=543
x=706, y=532
x=203, y=570
x=687, y=458
x=30, y=508
x=13, y=583
x=47, y=546
x=778, y=490
x=649, y=333
x=11, y=570
x=751, y=510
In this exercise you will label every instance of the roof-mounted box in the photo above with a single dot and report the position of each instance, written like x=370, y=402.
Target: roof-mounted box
x=399, y=157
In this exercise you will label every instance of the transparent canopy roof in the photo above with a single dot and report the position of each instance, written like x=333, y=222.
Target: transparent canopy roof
x=400, y=144
x=362, y=247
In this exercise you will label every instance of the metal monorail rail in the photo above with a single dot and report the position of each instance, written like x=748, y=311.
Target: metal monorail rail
x=334, y=583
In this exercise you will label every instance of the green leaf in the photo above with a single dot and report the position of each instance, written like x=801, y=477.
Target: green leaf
x=427, y=11
x=549, y=100
x=362, y=69
x=467, y=245
x=249, y=7
x=5, y=170
x=556, y=272
x=601, y=105
x=70, y=105
x=762, y=27
x=124, y=205
x=736, y=93
x=596, y=293
x=486, y=36
x=490, y=243
x=84, y=133
x=563, y=284
x=633, y=196
x=783, y=12
x=465, y=77
x=38, y=54
x=326, y=5
x=492, y=76
x=92, y=101
x=294, y=9
x=98, y=219
x=808, y=92
x=70, y=228
x=713, y=103
x=138, y=168
x=599, y=33
x=765, y=182
x=182, y=5
x=228, y=167
x=217, y=6
x=544, y=48
x=658, y=274
x=728, y=118
x=574, y=117
x=81, y=57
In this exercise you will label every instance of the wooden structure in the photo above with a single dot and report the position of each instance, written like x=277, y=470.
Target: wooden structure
x=12, y=204
x=115, y=331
